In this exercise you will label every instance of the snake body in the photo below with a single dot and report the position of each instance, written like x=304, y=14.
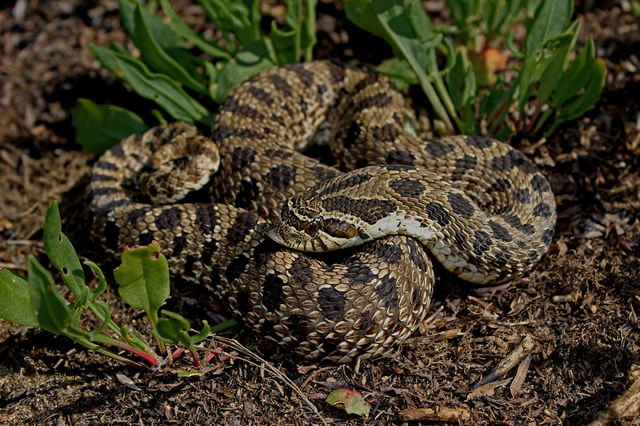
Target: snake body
x=492, y=213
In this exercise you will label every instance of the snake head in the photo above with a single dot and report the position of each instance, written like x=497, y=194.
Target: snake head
x=307, y=228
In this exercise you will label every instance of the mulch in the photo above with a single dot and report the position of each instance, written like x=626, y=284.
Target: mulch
x=558, y=346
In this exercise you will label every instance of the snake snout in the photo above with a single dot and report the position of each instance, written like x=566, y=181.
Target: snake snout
x=274, y=234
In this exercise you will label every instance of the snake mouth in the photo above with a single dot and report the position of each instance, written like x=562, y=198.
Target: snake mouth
x=274, y=234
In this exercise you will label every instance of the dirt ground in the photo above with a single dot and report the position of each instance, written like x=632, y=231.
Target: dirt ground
x=576, y=313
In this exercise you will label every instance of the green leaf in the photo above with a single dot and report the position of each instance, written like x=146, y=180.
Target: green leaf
x=156, y=57
x=15, y=299
x=162, y=90
x=551, y=77
x=158, y=87
x=162, y=33
x=350, y=401
x=173, y=328
x=50, y=308
x=551, y=18
x=187, y=33
x=252, y=60
x=143, y=277
x=399, y=71
x=576, y=77
x=535, y=65
x=408, y=29
x=461, y=83
x=100, y=127
x=300, y=34
x=239, y=17
x=61, y=252
x=581, y=104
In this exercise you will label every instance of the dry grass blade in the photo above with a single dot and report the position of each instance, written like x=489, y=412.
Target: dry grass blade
x=264, y=365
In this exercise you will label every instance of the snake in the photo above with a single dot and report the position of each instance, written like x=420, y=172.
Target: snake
x=330, y=261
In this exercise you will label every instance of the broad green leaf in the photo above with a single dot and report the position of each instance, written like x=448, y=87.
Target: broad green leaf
x=50, y=308
x=461, y=83
x=156, y=57
x=536, y=64
x=61, y=252
x=187, y=33
x=162, y=33
x=350, y=401
x=162, y=90
x=143, y=277
x=100, y=127
x=399, y=71
x=173, y=328
x=15, y=299
x=552, y=75
x=252, y=60
x=576, y=77
x=551, y=18
x=238, y=17
x=592, y=92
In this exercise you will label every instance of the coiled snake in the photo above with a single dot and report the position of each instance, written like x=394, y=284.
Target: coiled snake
x=488, y=213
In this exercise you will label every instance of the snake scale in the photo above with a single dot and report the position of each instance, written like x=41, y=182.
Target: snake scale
x=489, y=213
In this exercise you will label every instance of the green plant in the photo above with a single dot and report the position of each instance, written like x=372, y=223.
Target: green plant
x=458, y=67
x=469, y=101
x=185, y=82
x=143, y=279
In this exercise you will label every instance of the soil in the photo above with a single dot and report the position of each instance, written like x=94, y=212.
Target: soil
x=570, y=327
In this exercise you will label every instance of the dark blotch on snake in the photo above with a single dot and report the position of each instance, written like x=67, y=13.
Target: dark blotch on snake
x=461, y=205
x=416, y=256
x=168, y=218
x=331, y=302
x=463, y=165
x=523, y=195
x=499, y=231
x=438, y=213
x=351, y=181
x=260, y=95
x=479, y=141
x=179, y=243
x=280, y=84
x=135, y=214
x=301, y=270
x=437, y=148
x=209, y=247
x=324, y=172
x=386, y=133
x=248, y=192
x=244, y=224
x=386, y=290
x=481, y=242
x=370, y=211
x=400, y=157
x=232, y=105
x=105, y=165
x=281, y=176
x=206, y=218
x=542, y=210
x=306, y=77
x=379, y=100
x=241, y=158
x=407, y=187
x=272, y=294
x=501, y=185
x=540, y=184
x=359, y=273
x=547, y=236
x=236, y=267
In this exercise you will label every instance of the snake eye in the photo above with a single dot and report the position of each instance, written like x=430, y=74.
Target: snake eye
x=312, y=228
